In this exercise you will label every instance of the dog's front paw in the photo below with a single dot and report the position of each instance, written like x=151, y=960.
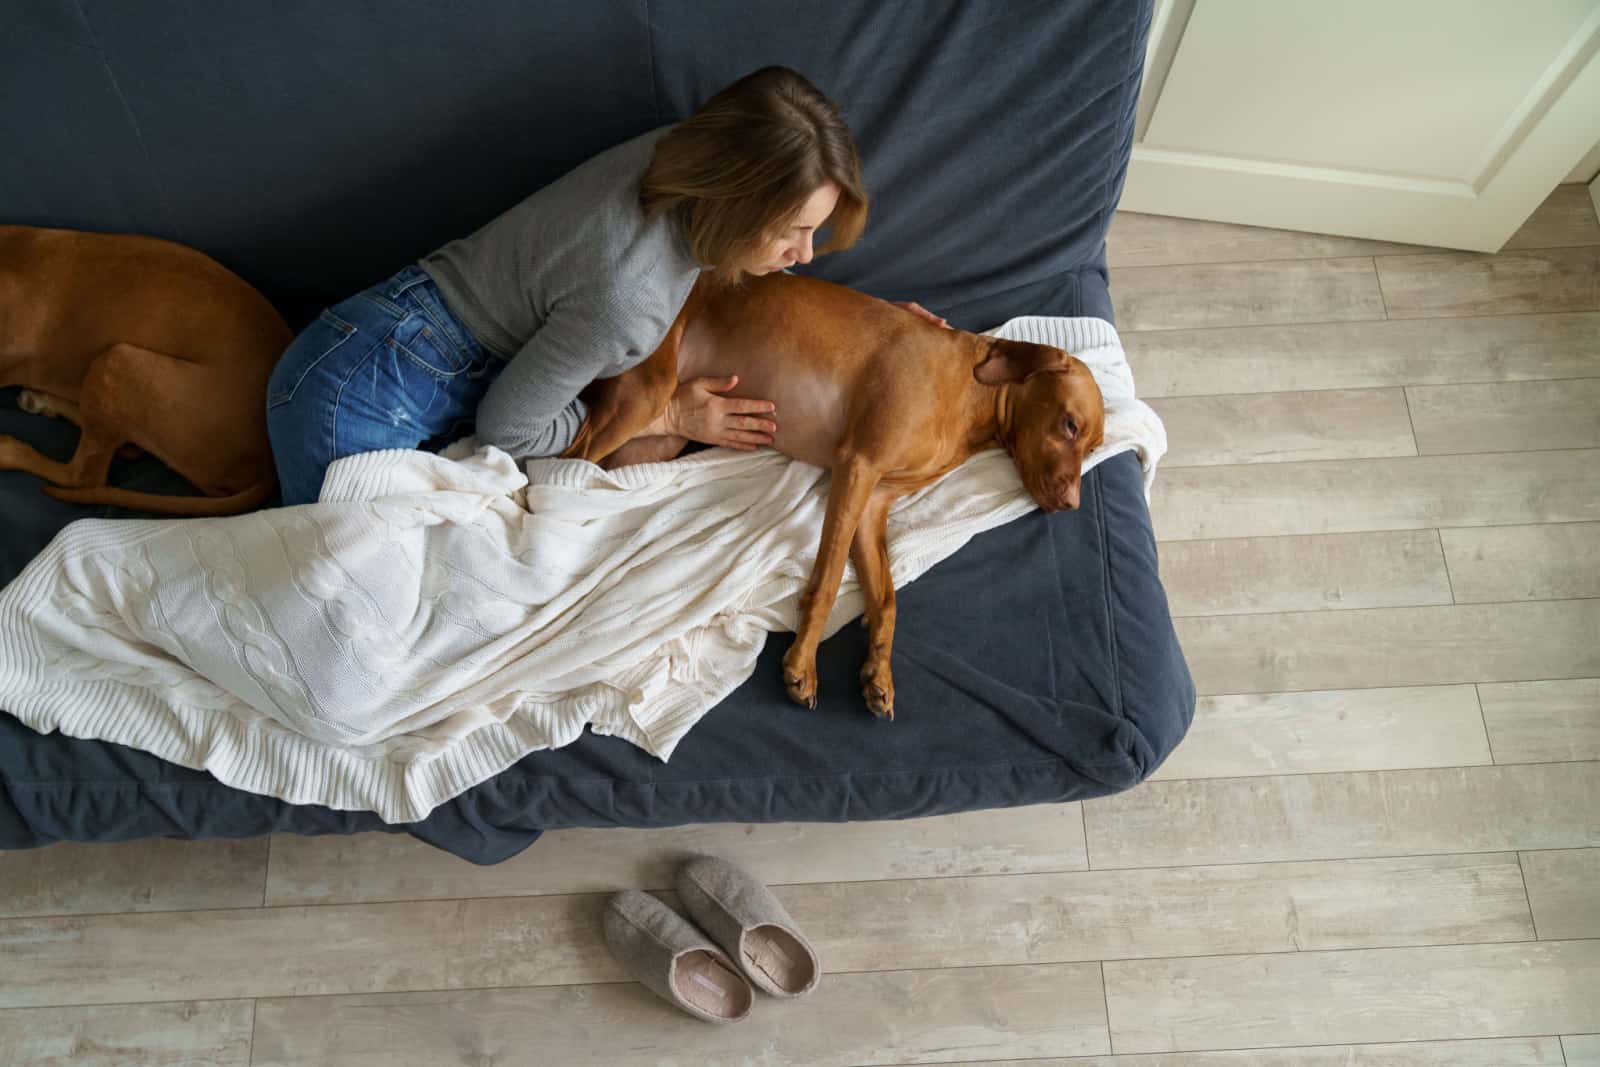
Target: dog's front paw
x=877, y=686
x=800, y=676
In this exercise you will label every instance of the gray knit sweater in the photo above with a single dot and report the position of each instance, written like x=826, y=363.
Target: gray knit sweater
x=572, y=285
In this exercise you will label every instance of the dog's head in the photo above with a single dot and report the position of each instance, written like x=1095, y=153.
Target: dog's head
x=1051, y=415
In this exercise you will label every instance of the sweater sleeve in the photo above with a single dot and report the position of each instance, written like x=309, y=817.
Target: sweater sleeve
x=532, y=409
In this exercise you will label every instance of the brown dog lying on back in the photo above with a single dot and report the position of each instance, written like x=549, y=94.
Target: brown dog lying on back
x=140, y=342
x=886, y=400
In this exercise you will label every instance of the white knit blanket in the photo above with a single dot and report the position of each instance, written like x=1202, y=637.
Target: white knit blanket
x=429, y=621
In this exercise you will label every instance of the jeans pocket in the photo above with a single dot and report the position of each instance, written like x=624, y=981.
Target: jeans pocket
x=315, y=344
x=416, y=338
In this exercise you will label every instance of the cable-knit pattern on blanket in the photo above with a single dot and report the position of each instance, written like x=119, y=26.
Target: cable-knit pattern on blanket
x=131, y=608
x=261, y=653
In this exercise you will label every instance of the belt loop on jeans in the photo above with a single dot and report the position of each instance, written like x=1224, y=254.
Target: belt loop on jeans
x=404, y=279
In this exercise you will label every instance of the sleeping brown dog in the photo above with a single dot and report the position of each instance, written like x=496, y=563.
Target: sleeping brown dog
x=883, y=398
x=141, y=342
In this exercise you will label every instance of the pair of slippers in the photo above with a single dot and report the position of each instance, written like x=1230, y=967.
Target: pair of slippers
x=677, y=961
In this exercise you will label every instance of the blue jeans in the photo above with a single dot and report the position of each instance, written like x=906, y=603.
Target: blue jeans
x=391, y=367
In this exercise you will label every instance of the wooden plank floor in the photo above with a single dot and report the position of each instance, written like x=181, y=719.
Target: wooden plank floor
x=1380, y=845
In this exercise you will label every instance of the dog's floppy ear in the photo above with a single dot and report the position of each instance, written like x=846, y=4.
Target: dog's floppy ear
x=1016, y=361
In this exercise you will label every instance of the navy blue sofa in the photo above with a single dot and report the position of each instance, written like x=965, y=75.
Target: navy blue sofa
x=315, y=148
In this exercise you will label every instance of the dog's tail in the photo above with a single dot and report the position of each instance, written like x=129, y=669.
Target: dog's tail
x=165, y=504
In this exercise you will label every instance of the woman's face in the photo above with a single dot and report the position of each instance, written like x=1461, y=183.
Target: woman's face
x=794, y=245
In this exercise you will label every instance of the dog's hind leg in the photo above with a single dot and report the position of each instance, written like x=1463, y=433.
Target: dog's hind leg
x=88, y=465
x=55, y=407
x=621, y=407
x=114, y=395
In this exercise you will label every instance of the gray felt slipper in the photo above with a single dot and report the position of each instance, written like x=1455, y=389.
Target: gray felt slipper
x=745, y=918
x=674, y=960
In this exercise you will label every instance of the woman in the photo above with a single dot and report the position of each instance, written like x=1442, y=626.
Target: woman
x=579, y=281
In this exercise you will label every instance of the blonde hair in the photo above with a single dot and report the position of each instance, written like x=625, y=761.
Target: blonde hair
x=737, y=172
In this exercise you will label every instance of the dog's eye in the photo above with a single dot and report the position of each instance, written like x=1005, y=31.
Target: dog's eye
x=1069, y=426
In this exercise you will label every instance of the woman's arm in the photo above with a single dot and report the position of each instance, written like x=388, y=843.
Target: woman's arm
x=532, y=409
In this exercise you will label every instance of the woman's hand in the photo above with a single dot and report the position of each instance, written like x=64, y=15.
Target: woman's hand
x=698, y=413
x=912, y=305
